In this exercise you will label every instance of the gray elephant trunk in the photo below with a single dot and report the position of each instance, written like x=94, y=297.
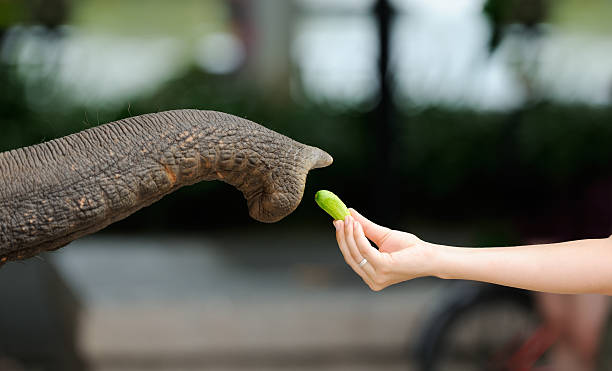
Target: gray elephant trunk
x=57, y=191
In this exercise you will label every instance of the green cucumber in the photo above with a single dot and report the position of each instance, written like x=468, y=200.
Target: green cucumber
x=331, y=204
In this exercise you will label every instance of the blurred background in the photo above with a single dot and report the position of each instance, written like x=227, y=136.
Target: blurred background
x=467, y=122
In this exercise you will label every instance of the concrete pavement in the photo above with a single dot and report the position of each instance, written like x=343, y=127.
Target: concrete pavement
x=235, y=301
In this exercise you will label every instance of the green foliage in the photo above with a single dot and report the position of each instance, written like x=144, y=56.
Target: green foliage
x=562, y=143
x=11, y=12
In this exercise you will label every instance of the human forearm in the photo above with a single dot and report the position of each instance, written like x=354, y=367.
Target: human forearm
x=583, y=266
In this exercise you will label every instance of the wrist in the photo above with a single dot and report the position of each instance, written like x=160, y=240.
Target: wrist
x=438, y=261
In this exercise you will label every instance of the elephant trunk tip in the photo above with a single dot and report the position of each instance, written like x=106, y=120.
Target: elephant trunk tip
x=320, y=158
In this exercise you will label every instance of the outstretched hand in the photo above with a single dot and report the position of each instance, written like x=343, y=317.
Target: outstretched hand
x=400, y=256
x=572, y=267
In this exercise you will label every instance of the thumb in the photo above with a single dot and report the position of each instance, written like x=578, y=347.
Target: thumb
x=373, y=231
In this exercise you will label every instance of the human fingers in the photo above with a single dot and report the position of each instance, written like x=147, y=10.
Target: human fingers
x=339, y=224
x=373, y=231
x=349, y=230
x=348, y=257
x=363, y=245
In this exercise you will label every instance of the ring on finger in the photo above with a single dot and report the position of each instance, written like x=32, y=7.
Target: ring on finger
x=363, y=262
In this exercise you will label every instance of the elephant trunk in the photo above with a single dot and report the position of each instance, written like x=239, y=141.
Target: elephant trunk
x=55, y=192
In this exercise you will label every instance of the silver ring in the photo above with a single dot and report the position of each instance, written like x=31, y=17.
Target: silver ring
x=363, y=262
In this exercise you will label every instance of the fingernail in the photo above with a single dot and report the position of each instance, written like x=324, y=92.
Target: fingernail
x=335, y=224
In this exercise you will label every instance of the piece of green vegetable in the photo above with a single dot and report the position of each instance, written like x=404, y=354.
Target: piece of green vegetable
x=331, y=204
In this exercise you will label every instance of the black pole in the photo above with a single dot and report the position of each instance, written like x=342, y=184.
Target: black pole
x=382, y=120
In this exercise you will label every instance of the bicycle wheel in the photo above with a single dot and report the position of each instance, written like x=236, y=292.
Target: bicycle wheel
x=475, y=328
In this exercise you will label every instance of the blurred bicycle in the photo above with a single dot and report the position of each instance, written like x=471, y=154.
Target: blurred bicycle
x=486, y=327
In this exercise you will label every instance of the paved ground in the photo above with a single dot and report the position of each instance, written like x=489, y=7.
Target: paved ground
x=237, y=301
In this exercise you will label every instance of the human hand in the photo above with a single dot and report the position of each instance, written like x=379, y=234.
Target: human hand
x=401, y=256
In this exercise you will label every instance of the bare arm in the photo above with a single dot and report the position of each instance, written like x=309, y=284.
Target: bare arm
x=583, y=266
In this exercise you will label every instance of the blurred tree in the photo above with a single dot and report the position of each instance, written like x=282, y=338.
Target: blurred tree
x=11, y=12
x=501, y=13
x=579, y=16
x=49, y=13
